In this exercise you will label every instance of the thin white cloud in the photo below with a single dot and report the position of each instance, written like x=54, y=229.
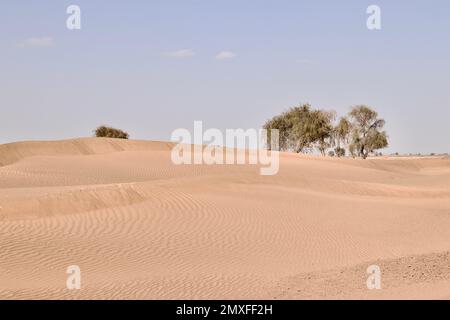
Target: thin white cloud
x=180, y=54
x=224, y=55
x=37, y=42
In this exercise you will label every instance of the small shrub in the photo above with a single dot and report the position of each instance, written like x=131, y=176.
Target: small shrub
x=108, y=132
x=340, y=152
x=331, y=153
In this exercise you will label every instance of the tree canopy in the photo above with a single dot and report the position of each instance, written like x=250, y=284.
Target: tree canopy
x=303, y=129
x=366, y=136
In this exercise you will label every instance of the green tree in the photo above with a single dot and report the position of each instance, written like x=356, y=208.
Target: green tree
x=302, y=129
x=366, y=136
x=341, y=135
x=320, y=129
x=288, y=123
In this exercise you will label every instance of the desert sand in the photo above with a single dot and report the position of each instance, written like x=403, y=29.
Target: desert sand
x=140, y=227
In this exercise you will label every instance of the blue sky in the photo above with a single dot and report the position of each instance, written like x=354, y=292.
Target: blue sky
x=150, y=67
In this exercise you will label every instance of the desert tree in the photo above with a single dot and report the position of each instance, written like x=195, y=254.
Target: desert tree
x=341, y=136
x=288, y=123
x=284, y=127
x=302, y=129
x=320, y=129
x=366, y=135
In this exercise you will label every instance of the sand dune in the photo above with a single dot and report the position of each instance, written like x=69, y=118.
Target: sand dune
x=141, y=227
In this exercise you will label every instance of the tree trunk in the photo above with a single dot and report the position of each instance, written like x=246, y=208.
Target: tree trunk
x=362, y=153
